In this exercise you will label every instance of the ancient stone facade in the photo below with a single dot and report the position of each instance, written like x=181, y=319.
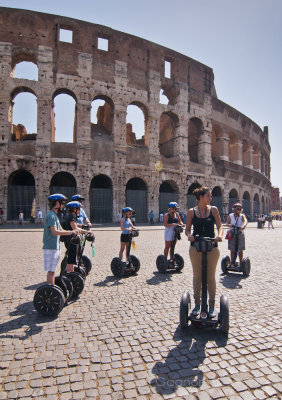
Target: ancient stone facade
x=194, y=139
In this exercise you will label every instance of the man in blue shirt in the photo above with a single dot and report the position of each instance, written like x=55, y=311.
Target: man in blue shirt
x=81, y=218
x=51, y=236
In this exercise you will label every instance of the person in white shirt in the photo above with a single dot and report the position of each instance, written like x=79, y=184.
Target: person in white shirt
x=237, y=219
x=39, y=216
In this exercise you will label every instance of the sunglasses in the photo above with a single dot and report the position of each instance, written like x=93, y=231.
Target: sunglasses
x=238, y=208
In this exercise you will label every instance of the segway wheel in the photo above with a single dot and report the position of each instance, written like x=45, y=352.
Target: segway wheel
x=179, y=261
x=87, y=264
x=246, y=266
x=49, y=300
x=77, y=283
x=80, y=270
x=64, y=264
x=117, y=267
x=135, y=262
x=184, y=310
x=62, y=285
x=224, y=264
x=69, y=287
x=161, y=263
x=224, y=314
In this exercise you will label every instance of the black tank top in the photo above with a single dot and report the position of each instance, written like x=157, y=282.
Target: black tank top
x=172, y=220
x=204, y=227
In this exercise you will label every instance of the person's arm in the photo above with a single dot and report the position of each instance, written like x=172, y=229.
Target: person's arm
x=62, y=232
x=245, y=222
x=189, y=225
x=74, y=226
x=218, y=222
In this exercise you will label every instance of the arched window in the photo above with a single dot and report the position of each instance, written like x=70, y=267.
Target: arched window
x=233, y=156
x=168, y=192
x=101, y=116
x=63, y=117
x=23, y=114
x=136, y=195
x=101, y=199
x=136, y=124
x=25, y=70
x=168, y=125
x=163, y=98
x=63, y=182
x=195, y=130
x=21, y=195
x=217, y=199
x=256, y=209
x=246, y=160
x=233, y=198
x=247, y=204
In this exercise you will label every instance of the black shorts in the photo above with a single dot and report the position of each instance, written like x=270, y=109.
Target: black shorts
x=125, y=238
x=72, y=250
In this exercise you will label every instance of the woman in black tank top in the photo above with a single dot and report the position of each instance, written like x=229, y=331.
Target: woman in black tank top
x=203, y=218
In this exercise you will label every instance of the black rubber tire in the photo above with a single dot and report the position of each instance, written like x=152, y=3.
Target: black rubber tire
x=69, y=286
x=117, y=267
x=135, y=262
x=184, y=310
x=179, y=261
x=246, y=266
x=64, y=264
x=161, y=263
x=77, y=283
x=224, y=313
x=80, y=270
x=59, y=281
x=49, y=300
x=86, y=263
x=224, y=264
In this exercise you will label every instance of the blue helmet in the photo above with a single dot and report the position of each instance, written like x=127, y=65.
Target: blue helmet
x=73, y=204
x=77, y=197
x=57, y=196
x=126, y=209
x=173, y=204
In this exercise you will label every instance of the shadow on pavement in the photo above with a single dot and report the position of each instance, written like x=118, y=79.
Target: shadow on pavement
x=160, y=278
x=35, y=286
x=231, y=280
x=28, y=318
x=181, y=367
x=111, y=280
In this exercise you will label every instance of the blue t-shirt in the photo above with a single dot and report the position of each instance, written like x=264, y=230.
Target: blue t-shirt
x=51, y=242
x=126, y=224
x=81, y=217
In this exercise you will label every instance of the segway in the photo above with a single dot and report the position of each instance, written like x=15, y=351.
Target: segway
x=176, y=263
x=204, y=245
x=120, y=268
x=49, y=300
x=235, y=266
x=82, y=260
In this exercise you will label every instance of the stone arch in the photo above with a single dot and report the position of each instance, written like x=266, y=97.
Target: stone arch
x=256, y=205
x=169, y=123
x=168, y=192
x=101, y=199
x=66, y=105
x=246, y=203
x=217, y=199
x=138, y=121
x=23, y=113
x=233, y=198
x=195, y=131
x=136, y=197
x=246, y=156
x=21, y=194
x=102, y=115
x=25, y=69
x=191, y=199
x=63, y=182
x=233, y=144
x=215, y=137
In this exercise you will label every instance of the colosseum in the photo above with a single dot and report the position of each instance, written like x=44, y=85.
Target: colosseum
x=190, y=136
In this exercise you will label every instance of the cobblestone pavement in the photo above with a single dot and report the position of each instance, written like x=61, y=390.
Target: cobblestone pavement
x=121, y=340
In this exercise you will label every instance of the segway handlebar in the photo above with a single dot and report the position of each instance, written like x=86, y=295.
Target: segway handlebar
x=134, y=233
x=204, y=244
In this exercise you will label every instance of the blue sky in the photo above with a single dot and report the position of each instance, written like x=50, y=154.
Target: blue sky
x=239, y=39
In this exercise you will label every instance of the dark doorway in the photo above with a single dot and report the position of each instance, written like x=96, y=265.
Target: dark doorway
x=21, y=194
x=168, y=192
x=101, y=199
x=136, y=197
x=65, y=183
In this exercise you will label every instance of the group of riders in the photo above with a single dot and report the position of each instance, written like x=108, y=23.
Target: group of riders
x=202, y=219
